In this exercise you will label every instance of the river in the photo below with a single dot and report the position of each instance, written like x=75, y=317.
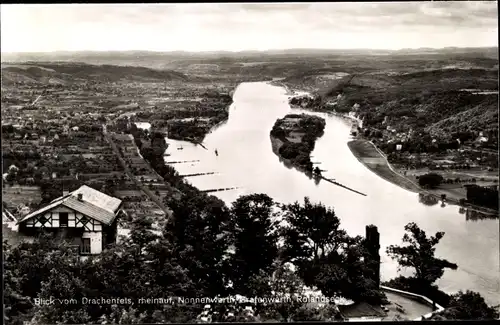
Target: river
x=245, y=160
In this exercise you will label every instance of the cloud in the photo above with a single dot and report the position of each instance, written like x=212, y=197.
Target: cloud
x=408, y=14
x=268, y=7
x=250, y=25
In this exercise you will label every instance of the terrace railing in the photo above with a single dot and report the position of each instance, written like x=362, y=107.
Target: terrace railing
x=420, y=298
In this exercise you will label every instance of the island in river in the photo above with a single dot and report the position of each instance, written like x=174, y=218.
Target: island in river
x=293, y=138
x=402, y=152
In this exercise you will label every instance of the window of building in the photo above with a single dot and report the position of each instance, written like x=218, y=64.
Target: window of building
x=42, y=220
x=85, y=246
x=63, y=219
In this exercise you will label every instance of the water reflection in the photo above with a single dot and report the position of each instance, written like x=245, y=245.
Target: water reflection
x=474, y=215
x=470, y=214
x=428, y=200
x=288, y=164
x=246, y=160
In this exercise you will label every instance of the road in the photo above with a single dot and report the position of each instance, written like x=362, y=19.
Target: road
x=129, y=173
x=480, y=150
x=390, y=166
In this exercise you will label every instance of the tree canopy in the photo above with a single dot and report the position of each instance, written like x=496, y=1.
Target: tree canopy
x=431, y=180
x=466, y=306
x=210, y=250
x=419, y=254
x=254, y=239
x=327, y=257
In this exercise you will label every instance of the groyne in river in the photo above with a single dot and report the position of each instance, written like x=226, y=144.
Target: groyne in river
x=343, y=186
x=246, y=163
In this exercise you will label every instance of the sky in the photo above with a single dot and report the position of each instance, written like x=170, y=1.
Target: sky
x=239, y=26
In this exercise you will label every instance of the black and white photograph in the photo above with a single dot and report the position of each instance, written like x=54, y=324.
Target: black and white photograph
x=250, y=162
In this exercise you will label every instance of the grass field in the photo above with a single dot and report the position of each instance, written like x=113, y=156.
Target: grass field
x=17, y=194
x=488, y=176
x=369, y=156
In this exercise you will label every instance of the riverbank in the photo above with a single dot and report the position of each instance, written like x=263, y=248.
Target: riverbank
x=297, y=93
x=278, y=83
x=373, y=159
x=199, y=140
x=246, y=160
x=206, y=126
x=190, y=119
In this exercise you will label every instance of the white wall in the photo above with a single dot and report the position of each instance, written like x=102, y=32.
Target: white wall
x=73, y=218
x=95, y=241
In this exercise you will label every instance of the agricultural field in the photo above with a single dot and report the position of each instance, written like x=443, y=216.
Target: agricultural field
x=21, y=195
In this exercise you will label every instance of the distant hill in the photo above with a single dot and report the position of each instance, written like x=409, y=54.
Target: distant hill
x=438, y=101
x=483, y=116
x=163, y=59
x=400, y=75
x=433, y=100
x=64, y=72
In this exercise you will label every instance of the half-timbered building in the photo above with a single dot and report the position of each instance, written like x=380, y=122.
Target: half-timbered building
x=87, y=218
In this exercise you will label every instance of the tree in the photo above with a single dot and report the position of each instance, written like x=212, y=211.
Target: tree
x=34, y=261
x=51, y=190
x=110, y=186
x=468, y=306
x=45, y=269
x=10, y=178
x=141, y=233
x=419, y=255
x=255, y=239
x=62, y=284
x=347, y=272
x=287, y=292
x=325, y=255
x=431, y=180
x=198, y=233
x=482, y=196
x=16, y=304
x=313, y=230
x=28, y=265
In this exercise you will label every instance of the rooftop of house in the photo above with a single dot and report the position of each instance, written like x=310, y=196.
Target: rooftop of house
x=7, y=216
x=87, y=201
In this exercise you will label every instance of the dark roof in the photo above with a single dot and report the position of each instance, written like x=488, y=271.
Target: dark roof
x=361, y=309
x=94, y=204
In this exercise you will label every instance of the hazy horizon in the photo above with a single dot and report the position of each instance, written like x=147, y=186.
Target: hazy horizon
x=239, y=27
x=250, y=50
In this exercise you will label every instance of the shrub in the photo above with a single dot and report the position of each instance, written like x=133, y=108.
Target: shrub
x=431, y=180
